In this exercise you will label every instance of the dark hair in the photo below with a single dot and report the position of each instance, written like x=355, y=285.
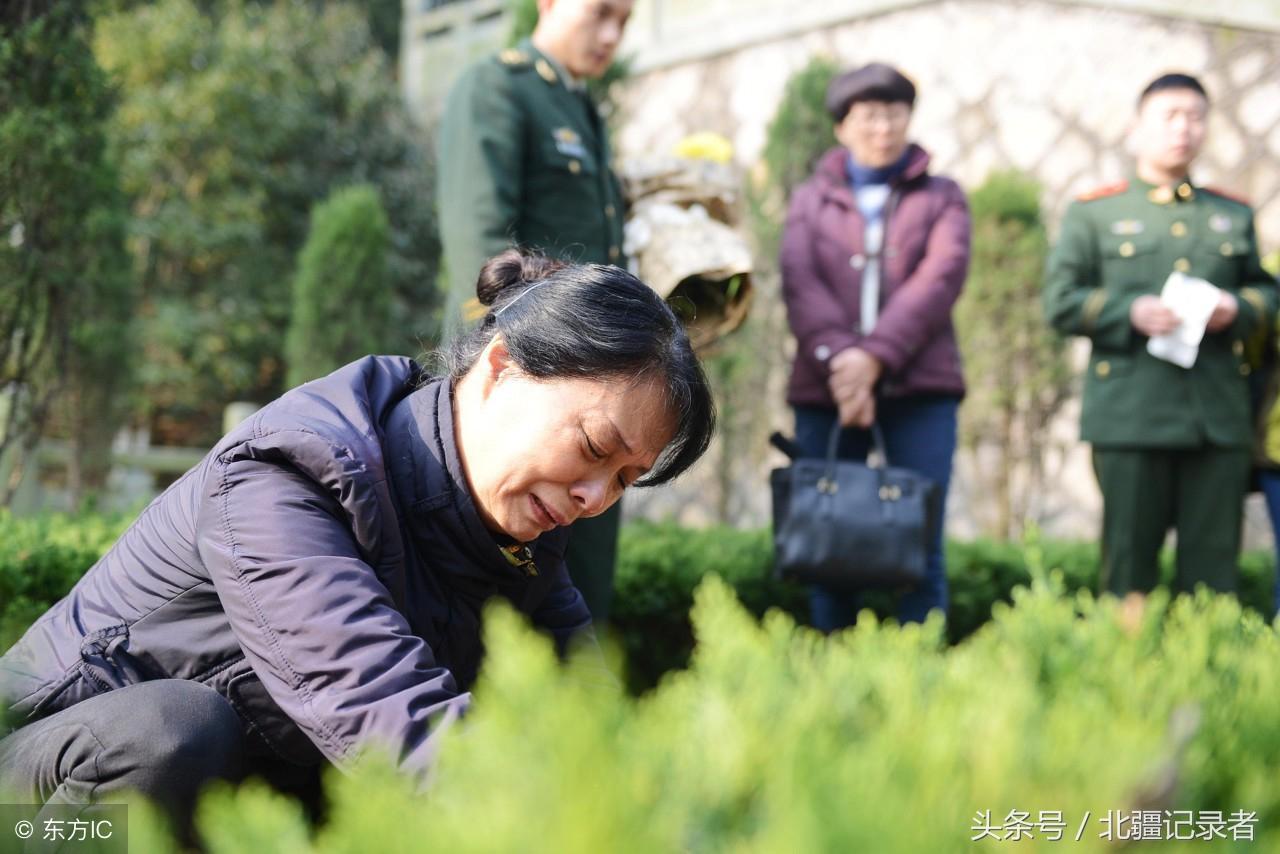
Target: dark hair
x=874, y=82
x=592, y=321
x=1172, y=81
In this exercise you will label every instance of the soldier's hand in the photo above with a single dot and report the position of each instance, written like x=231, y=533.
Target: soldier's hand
x=1151, y=317
x=1224, y=313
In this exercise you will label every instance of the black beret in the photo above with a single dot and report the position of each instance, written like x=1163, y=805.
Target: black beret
x=874, y=82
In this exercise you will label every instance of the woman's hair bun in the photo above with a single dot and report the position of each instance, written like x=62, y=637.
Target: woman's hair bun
x=512, y=270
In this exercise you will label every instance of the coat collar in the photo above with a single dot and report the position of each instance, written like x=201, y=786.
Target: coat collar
x=1164, y=194
x=430, y=486
x=831, y=172
x=550, y=70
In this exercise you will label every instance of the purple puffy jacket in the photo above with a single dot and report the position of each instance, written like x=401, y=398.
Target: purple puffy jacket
x=925, y=260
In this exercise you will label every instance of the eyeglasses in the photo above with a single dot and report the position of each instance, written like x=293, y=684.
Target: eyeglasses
x=866, y=115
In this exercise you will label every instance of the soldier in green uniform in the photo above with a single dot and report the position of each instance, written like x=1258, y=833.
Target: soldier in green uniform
x=524, y=160
x=1171, y=445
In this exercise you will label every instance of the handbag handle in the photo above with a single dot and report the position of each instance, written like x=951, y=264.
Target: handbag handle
x=828, y=481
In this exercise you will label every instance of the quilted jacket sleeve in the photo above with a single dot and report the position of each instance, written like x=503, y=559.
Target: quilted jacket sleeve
x=317, y=625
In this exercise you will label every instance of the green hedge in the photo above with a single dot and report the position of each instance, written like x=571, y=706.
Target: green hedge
x=876, y=739
x=659, y=567
x=776, y=738
x=41, y=558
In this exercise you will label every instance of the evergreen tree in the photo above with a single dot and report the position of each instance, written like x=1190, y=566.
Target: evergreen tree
x=66, y=290
x=341, y=304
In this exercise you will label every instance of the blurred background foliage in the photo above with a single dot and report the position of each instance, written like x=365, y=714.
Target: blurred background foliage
x=159, y=163
x=234, y=120
x=341, y=305
x=69, y=292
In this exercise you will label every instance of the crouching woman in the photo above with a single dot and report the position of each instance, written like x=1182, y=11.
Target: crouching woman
x=315, y=584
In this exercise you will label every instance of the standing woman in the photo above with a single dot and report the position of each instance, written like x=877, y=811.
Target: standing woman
x=315, y=585
x=874, y=255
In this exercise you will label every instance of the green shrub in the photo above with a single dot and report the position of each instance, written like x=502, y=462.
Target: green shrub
x=659, y=568
x=1018, y=373
x=341, y=298
x=877, y=739
x=41, y=558
x=801, y=129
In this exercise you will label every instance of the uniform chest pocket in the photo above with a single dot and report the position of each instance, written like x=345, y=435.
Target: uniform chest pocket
x=1129, y=261
x=569, y=157
x=1218, y=258
x=1228, y=247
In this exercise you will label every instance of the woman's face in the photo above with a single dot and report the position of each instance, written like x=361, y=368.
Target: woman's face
x=539, y=454
x=875, y=132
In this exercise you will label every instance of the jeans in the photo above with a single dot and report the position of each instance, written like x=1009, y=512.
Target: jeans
x=1269, y=479
x=920, y=435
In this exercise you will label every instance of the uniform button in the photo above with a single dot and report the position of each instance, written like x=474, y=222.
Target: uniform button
x=609, y=211
x=613, y=253
x=1237, y=347
x=1102, y=368
x=857, y=262
x=1178, y=229
x=822, y=352
x=1182, y=265
x=1227, y=249
x=1184, y=191
x=575, y=167
x=1244, y=370
x=1126, y=249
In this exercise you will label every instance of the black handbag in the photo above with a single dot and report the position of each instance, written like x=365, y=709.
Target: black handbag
x=848, y=526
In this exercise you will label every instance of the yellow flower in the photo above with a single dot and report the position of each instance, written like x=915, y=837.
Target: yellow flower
x=705, y=145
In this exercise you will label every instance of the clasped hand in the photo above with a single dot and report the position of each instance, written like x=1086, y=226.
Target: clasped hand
x=854, y=373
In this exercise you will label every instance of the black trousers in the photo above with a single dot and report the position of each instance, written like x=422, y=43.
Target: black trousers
x=165, y=739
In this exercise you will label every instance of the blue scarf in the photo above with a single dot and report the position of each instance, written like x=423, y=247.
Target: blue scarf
x=861, y=176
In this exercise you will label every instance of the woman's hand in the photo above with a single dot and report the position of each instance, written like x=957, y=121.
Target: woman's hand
x=854, y=373
x=859, y=411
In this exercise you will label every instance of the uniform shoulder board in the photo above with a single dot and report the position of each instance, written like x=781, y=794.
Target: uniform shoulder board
x=1103, y=191
x=1240, y=200
x=514, y=57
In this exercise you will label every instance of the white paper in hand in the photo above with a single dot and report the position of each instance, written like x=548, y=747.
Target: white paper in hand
x=1192, y=300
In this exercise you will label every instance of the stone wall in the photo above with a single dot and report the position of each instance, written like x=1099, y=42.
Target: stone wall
x=1047, y=87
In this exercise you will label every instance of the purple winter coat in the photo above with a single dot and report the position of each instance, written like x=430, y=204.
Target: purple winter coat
x=323, y=568
x=924, y=263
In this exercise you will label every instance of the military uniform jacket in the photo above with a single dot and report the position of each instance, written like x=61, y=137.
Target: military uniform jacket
x=1121, y=242
x=524, y=159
